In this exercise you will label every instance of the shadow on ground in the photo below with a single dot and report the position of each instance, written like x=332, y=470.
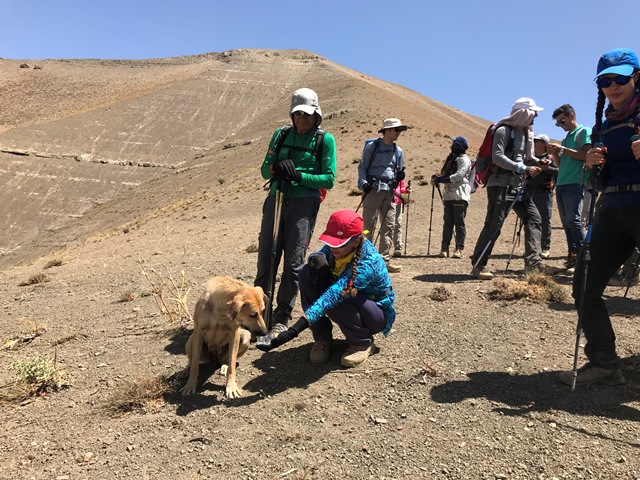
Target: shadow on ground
x=540, y=392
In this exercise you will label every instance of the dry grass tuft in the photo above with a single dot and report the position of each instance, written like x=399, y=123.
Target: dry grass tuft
x=440, y=293
x=54, y=262
x=128, y=296
x=355, y=192
x=537, y=287
x=170, y=296
x=253, y=248
x=145, y=395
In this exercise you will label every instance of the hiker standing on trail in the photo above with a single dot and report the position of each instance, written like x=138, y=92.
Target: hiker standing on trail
x=299, y=171
x=457, y=193
x=540, y=188
x=345, y=282
x=572, y=178
x=512, y=144
x=399, y=202
x=615, y=229
x=381, y=168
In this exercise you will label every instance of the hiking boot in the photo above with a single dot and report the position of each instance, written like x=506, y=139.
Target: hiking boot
x=544, y=254
x=571, y=261
x=276, y=330
x=397, y=252
x=320, y=352
x=457, y=253
x=393, y=268
x=589, y=373
x=619, y=280
x=355, y=355
x=444, y=254
x=481, y=273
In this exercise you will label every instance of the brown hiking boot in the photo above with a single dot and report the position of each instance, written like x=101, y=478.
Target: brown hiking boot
x=320, y=352
x=355, y=355
x=589, y=373
x=393, y=268
x=457, y=253
x=481, y=274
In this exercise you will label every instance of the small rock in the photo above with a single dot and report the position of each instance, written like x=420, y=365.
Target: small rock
x=89, y=456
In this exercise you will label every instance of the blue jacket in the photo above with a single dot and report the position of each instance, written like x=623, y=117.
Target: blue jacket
x=372, y=279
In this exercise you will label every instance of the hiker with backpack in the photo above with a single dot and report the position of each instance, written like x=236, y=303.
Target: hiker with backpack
x=455, y=176
x=614, y=161
x=379, y=171
x=540, y=188
x=572, y=178
x=300, y=162
x=512, y=144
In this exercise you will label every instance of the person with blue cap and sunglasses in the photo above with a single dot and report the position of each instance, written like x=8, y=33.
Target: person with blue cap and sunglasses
x=457, y=193
x=615, y=231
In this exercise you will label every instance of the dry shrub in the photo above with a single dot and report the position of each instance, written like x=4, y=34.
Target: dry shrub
x=536, y=287
x=440, y=293
x=145, y=395
x=54, y=262
x=355, y=192
x=128, y=296
x=36, y=377
x=253, y=248
x=36, y=279
x=170, y=296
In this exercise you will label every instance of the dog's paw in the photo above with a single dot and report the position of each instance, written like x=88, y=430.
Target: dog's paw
x=233, y=391
x=223, y=370
x=188, y=389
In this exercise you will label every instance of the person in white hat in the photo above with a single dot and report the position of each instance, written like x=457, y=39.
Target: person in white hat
x=381, y=168
x=512, y=145
x=540, y=188
x=300, y=164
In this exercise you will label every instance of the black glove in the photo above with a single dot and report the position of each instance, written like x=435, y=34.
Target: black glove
x=400, y=175
x=366, y=188
x=286, y=336
x=286, y=169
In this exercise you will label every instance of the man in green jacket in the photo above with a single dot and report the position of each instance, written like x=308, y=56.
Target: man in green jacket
x=301, y=172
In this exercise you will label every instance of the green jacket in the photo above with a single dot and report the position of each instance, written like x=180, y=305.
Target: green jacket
x=316, y=173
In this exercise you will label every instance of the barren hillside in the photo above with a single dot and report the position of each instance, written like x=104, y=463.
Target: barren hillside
x=116, y=176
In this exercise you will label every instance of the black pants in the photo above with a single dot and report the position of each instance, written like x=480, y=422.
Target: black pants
x=454, y=213
x=614, y=235
x=498, y=200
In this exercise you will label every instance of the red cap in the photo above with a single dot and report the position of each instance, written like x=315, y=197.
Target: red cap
x=342, y=226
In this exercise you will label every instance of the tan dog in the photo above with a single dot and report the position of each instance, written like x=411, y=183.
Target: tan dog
x=224, y=306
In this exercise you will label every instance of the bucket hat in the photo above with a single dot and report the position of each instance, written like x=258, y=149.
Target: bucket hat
x=392, y=123
x=305, y=100
x=621, y=61
x=342, y=226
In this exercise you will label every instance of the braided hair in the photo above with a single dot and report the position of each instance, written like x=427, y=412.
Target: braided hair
x=349, y=289
x=595, y=135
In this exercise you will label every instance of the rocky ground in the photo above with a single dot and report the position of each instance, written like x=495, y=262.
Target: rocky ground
x=466, y=386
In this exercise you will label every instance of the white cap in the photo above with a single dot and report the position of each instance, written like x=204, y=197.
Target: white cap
x=525, y=103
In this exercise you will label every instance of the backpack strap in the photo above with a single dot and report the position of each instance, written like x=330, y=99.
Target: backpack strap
x=284, y=132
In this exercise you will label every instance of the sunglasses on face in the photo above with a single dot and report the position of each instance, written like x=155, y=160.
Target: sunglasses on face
x=605, y=82
x=300, y=113
x=562, y=121
x=398, y=130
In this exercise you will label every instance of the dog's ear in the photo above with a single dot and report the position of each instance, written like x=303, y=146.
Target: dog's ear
x=235, y=306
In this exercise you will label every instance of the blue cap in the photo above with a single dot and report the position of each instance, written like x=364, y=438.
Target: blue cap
x=621, y=61
x=462, y=142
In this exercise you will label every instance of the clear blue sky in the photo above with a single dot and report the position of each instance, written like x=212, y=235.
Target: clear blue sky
x=477, y=56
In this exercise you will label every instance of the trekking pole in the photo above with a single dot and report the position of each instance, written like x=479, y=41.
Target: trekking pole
x=277, y=215
x=634, y=264
x=433, y=191
x=406, y=226
x=585, y=270
x=513, y=244
x=496, y=234
x=364, y=195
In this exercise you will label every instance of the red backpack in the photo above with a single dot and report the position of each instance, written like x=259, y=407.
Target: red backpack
x=483, y=166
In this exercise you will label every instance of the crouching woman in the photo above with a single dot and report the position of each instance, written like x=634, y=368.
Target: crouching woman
x=346, y=282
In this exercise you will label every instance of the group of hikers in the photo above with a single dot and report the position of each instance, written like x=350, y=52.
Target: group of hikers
x=347, y=282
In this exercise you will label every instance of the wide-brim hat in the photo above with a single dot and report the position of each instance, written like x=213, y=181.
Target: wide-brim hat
x=305, y=100
x=392, y=123
x=342, y=226
x=621, y=61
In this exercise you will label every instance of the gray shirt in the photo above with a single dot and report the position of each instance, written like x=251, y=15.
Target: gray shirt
x=510, y=160
x=380, y=170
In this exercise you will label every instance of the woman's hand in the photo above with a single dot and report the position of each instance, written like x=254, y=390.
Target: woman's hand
x=595, y=157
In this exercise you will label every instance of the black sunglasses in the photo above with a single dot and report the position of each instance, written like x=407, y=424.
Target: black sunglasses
x=300, y=112
x=562, y=121
x=398, y=130
x=605, y=82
